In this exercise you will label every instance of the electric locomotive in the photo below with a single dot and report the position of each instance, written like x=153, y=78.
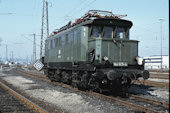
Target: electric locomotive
x=94, y=53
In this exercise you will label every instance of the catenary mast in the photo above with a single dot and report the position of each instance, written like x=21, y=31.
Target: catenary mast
x=44, y=27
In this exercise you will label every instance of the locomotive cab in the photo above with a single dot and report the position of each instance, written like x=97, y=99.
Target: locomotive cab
x=110, y=39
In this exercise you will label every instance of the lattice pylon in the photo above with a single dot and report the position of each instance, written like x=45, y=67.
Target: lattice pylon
x=44, y=27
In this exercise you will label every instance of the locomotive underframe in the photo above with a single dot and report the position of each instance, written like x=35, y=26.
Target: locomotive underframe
x=95, y=77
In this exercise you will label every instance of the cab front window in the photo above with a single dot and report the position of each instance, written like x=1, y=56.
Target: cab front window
x=107, y=32
x=120, y=33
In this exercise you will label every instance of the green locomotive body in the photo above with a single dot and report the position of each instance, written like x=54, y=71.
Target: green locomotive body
x=94, y=53
x=69, y=46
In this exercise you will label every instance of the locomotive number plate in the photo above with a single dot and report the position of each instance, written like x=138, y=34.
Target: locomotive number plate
x=120, y=64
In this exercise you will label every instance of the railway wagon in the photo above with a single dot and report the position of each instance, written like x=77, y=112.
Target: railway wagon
x=94, y=53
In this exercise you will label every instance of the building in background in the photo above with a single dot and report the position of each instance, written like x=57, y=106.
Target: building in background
x=154, y=62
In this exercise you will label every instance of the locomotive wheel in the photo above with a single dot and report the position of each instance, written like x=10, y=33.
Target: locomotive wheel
x=63, y=77
x=94, y=86
x=51, y=76
x=84, y=81
x=57, y=77
x=66, y=77
x=69, y=80
x=74, y=80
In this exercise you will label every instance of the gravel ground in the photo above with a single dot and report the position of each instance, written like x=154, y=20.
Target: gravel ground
x=33, y=70
x=157, y=93
x=153, y=92
x=62, y=98
x=147, y=91
x=73, y=102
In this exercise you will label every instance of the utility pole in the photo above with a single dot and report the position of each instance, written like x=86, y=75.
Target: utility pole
x=161, y=20
x=44, y=27
x=34, y=54
x=34, y=49
x=11, y=56
x=27, y=59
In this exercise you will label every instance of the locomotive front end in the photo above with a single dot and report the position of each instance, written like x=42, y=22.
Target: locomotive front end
x=115, y=54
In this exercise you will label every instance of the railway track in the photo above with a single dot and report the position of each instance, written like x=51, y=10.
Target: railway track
x=152, y=83
x=160, y=74
x=151, y=101
x=142, y=105
x=11, y=101
x=160, y=77
x=139, y=103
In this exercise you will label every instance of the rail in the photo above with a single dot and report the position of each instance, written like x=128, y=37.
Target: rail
x=151, y=101
x=151, y=83
x=30, y=104
x=125, y=103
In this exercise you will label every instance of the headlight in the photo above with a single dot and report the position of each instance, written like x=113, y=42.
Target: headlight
x=139, y=60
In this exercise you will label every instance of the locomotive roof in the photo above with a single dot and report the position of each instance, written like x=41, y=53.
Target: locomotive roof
x=110, y=21
x=93, y=18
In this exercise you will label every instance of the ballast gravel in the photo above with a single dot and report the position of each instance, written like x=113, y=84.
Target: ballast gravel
x=157, y=93
x=64, y=99
x=159, y=80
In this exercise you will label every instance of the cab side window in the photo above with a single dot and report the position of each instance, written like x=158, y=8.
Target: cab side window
x=70, y=37
x=56, y=42
x=96, y=30
x=59, y=41
x=66, y=39
x=51, y=44
x=62, y=40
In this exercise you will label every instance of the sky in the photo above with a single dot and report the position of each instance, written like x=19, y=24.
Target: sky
x=19, y=19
